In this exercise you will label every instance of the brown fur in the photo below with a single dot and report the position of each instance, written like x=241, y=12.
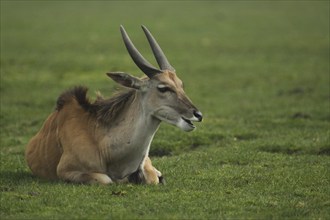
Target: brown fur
x=104, y=109
x=43, y=154
x=108, y=109
x=75, y=116
x=108, y=140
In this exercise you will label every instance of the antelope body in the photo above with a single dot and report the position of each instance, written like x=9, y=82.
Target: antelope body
x=108, y=140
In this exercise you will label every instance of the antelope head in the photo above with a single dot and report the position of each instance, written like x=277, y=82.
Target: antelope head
x=162, y=91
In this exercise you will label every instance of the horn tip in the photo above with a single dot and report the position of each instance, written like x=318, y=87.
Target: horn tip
x=144, y=28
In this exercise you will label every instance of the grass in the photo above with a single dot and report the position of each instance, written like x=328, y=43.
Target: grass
x=258, y=70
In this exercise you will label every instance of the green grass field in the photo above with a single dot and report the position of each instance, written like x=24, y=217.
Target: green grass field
x=258, y=70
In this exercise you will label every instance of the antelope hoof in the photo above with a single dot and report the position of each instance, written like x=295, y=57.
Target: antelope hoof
x=162, y=180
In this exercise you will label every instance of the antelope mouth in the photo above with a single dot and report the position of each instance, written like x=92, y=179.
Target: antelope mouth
x=188, y=122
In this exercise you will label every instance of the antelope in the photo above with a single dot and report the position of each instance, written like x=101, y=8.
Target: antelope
x=108, y=140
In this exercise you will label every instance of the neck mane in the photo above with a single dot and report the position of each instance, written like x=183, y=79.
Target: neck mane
x=105, y=110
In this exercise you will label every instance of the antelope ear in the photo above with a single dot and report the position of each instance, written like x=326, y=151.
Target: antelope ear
x=126, y=80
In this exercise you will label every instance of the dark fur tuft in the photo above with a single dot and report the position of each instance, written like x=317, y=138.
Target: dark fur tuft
x=78, y=93
x=109, y=108
x=105, y=110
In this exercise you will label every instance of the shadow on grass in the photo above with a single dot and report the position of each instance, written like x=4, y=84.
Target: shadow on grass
x=16, y=178
x=246, y=136
x=161, y=148
x=12, y=179
x=293, y=150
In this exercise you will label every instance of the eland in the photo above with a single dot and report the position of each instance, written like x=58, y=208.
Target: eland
x=108, y=140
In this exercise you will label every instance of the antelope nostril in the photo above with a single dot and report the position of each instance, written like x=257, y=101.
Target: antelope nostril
x=198, y=115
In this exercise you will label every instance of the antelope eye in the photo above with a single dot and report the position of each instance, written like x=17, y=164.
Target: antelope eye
x=162, y=88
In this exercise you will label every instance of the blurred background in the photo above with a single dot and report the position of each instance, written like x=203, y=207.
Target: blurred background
x=258, y=70
x=240, y=60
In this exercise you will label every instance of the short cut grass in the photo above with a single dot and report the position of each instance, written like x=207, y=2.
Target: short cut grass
x=258, y=70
